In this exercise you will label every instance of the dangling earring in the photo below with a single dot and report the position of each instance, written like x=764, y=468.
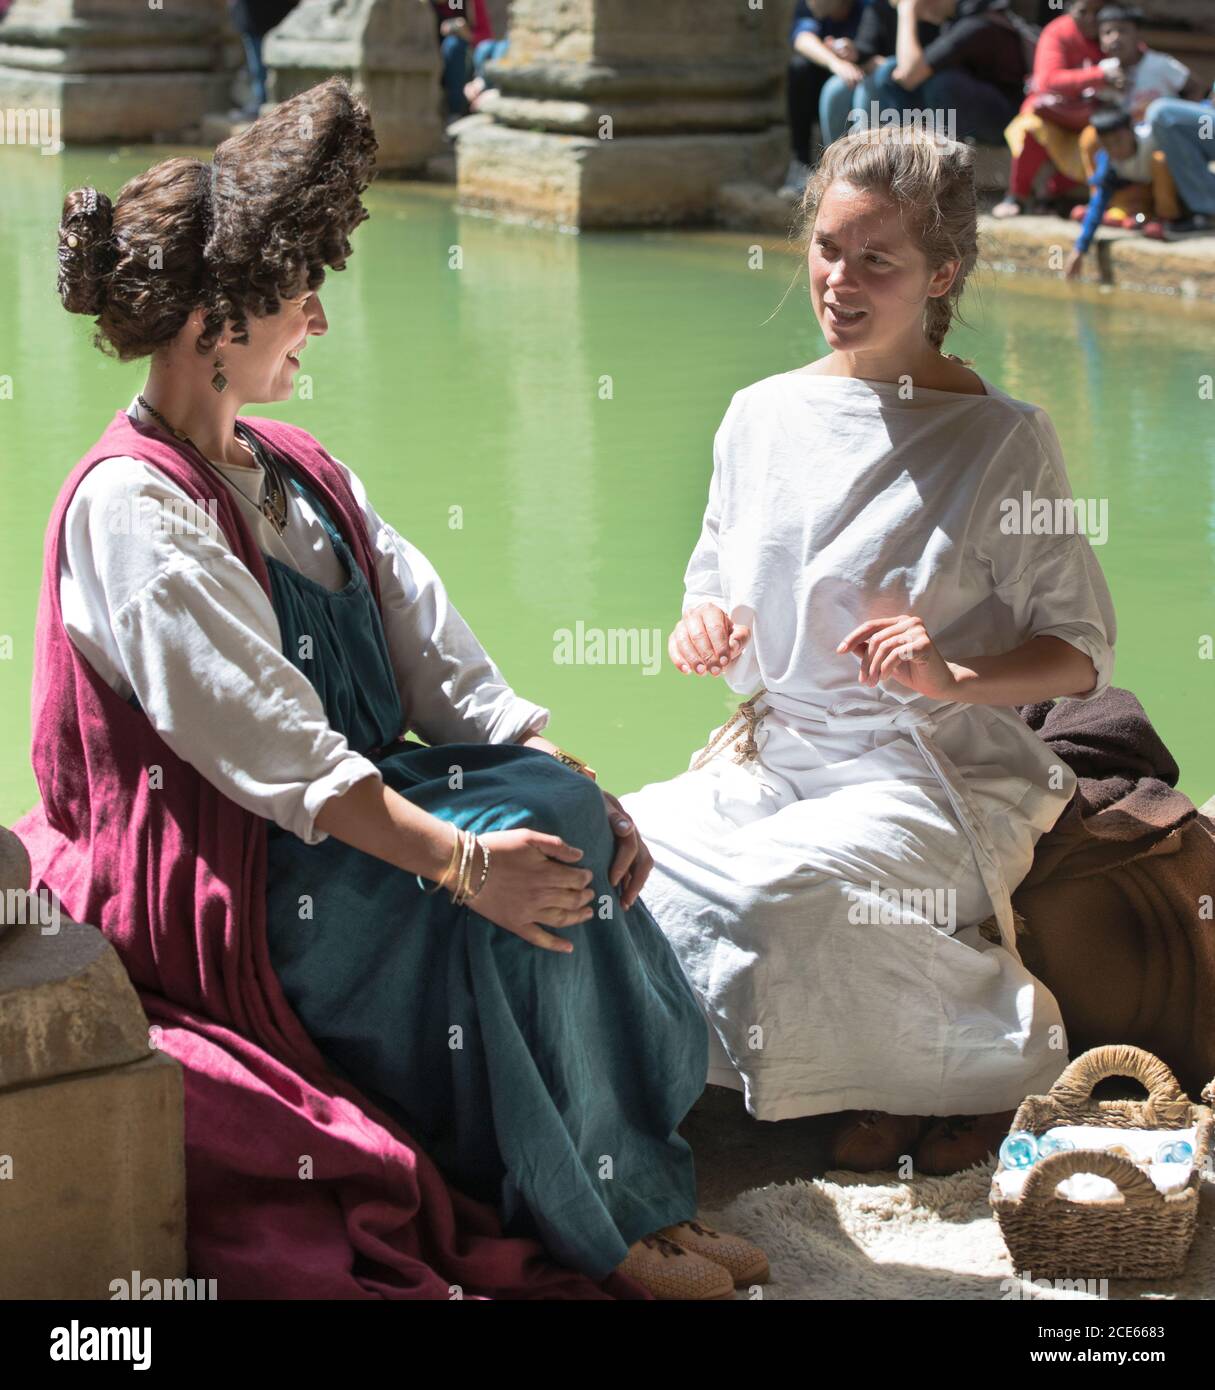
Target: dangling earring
x=219, y=381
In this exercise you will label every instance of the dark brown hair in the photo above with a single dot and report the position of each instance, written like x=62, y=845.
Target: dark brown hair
x=263, y=220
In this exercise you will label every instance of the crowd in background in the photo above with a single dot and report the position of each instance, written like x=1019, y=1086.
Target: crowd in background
x=1100, y=126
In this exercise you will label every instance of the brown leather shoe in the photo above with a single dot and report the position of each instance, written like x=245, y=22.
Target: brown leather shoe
x=871, y=1141
x=958, y=1142
x=670, y=1272
x=746, y=1263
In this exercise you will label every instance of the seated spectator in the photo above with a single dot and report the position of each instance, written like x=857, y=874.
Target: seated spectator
x=1062, y=95
x=487, y=51
x=1137, y=75
x=1129, y=178
x=974, y=71
x=874, y=43
x=1183, y=134
x=463, y=28
x=823, y=42
x=253, y=20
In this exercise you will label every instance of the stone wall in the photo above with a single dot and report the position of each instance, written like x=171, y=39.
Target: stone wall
x=115, y=71
x=92, y=1158
x=627, y=112
x=386, y=49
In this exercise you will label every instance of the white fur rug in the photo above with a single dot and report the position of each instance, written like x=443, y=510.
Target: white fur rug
x=873, y=1236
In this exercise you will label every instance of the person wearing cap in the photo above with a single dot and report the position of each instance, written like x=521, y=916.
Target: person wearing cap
x=391, y=933
x=1130, y=180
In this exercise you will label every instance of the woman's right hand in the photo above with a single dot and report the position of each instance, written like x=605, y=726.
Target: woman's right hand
x=706, y=641
x=533, y=883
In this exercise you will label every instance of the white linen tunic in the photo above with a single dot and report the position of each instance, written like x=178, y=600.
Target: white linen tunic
x=824, y=897
x=159, y=606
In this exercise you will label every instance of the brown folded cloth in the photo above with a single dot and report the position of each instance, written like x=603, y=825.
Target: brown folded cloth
x=1116, y=906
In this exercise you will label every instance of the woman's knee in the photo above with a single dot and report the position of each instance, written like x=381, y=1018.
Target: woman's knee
x=560, y=801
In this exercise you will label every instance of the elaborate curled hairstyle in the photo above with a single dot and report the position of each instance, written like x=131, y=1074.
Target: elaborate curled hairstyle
x=273, y=209
x=930, y=180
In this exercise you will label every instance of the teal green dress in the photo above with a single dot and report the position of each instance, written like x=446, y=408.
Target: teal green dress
x=549, y=1085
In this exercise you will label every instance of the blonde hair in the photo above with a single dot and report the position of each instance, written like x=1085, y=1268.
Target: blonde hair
x=932, y=182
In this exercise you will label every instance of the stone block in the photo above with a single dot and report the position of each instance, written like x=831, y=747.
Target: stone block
x=14, y=863
x=628, y=113
x=101, y=108
x=92, y=1181
x=578, y=181
x=111, y=71
x=66, y=1003
x=386, y=50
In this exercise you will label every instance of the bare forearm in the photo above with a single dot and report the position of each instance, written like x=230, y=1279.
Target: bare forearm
x=372, y=817
x=1044, y=668
x=811, y=46
x=910, y=68
x=530, y=740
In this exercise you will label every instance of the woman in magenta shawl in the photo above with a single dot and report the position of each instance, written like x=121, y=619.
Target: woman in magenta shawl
x=388, y=930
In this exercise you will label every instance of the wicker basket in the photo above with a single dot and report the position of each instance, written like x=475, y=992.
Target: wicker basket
x=1142, y=1233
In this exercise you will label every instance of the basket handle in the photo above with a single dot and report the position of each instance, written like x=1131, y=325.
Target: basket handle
x=1075, y=1086
x=1131, y=1180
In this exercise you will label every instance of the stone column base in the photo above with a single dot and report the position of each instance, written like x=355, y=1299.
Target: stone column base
x=92, y=1158
x=386, y=50
x=575, y=181
x=95, y=108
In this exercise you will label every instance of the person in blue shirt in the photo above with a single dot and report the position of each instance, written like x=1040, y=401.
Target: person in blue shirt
x=823, y=40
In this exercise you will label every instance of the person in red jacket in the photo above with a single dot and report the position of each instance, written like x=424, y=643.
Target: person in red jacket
x=1060, y=101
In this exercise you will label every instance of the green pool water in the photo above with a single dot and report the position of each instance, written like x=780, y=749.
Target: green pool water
x=559, y=395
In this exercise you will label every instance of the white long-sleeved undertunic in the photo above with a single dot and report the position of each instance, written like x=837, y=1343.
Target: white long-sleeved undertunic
x=824, y=897
x=161, y=608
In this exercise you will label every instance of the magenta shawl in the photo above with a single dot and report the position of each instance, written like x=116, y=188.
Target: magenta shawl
x=175, y=877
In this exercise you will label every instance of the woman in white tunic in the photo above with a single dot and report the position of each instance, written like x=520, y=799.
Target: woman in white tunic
x=888, y=553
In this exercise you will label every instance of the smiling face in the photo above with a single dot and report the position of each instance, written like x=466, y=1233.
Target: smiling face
x=869, y=281
x=264, y=369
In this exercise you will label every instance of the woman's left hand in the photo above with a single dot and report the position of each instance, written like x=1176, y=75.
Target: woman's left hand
x=900, y=649
x=632, y=862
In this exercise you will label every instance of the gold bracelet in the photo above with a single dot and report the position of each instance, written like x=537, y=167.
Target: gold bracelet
x=576, y=763
x=484, y=848
x=459, y=894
